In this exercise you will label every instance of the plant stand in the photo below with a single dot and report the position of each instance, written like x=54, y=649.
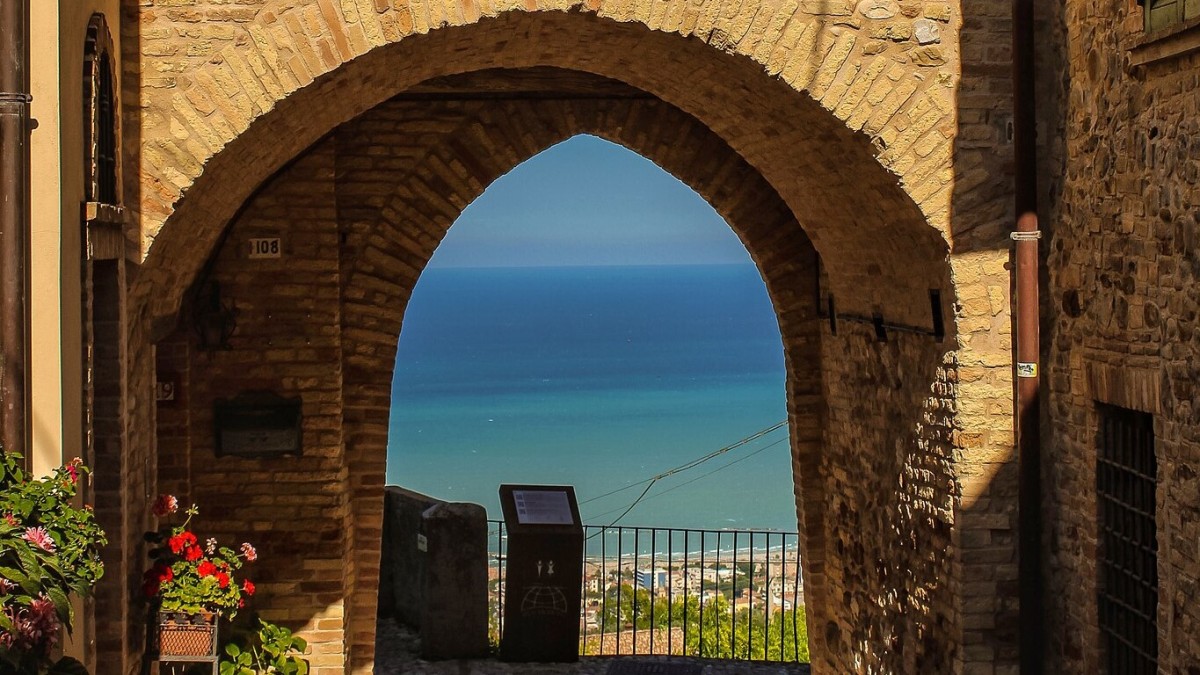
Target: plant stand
x=181, y=638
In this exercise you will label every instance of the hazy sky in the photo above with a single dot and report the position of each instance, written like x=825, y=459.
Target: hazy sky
x=588, y=202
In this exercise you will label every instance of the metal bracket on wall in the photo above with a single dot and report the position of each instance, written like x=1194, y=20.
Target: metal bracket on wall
x=882, y=326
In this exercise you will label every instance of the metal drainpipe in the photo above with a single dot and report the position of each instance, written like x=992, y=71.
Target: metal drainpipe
x=1028, y=418
x=14, y=224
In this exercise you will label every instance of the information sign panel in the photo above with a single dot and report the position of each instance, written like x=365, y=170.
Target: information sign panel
x=543, y=507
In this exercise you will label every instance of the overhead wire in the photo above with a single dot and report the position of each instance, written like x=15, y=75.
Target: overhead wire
x=688, y=482
x=650, y=482
x=690, y=464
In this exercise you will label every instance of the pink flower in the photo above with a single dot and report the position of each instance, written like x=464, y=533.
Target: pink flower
x=210, y=546
x=165, y=505
x=248, y=552
x=34, y=627
x=10, y=519
x=39, y=538
x=6, y=586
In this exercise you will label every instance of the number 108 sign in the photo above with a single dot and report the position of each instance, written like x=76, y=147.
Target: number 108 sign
x=267, y=247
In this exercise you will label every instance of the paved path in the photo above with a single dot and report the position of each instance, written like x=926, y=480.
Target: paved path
x=396, y=648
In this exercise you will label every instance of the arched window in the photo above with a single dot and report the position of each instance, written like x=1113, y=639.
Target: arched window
x=99, y=112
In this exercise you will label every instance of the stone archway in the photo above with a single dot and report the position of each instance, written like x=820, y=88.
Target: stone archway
x=232, y=128
x=848, y=136
x=391, y=232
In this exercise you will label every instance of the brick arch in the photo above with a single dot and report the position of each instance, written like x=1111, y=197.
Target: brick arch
x=389, y=240
x=787, y=88
x=851, y=129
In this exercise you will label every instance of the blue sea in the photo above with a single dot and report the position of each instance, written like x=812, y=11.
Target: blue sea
x=597, y=377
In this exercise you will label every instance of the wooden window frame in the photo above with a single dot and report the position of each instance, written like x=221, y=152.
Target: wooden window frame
x=1160, y=16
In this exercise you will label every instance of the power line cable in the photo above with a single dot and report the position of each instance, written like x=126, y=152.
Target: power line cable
x=690, y=464
x=689, y=482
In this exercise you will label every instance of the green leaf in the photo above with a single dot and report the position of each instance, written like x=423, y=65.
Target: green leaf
x=62, y=605
x=12, y=574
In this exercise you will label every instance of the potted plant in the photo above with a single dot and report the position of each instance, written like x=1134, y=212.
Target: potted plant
x=191, y=585
x=49, y=550
x=271, y=650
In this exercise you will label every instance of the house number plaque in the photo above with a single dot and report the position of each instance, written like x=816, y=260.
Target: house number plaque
x=266, y=247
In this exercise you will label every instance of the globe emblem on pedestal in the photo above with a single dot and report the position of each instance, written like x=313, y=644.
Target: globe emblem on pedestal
x=541, y=599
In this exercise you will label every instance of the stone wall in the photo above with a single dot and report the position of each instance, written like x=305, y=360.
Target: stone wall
x=1123, y=178
x=890, y=506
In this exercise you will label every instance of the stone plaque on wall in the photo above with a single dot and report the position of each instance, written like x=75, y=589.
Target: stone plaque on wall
x=257, y=424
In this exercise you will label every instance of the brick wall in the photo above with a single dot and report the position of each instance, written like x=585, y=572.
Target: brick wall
x=287, y=341
x=874, y=448
x=243, y=90
x=851, y=130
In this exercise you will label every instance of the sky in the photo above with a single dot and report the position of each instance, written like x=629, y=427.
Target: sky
x=587, y=201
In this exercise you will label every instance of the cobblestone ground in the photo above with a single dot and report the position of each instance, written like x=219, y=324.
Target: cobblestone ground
x=396, y=649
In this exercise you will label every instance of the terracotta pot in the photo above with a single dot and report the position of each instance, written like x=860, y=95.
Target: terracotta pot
x=181, y=634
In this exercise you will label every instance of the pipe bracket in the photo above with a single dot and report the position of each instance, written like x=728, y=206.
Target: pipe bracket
x=1033, y=235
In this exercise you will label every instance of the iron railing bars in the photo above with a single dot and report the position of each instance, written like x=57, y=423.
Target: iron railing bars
x=782, y=590
x=653, y=585
x=796, y=610
x=702, y=575
x=687, y=583
x=670, y=595
x=733, y=610
x=620, y=571
x=583, y=600
x=603, y=587
x=633, y=596
x=677, y=553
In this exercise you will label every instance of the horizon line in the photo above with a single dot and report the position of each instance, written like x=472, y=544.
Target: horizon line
x=592, y=265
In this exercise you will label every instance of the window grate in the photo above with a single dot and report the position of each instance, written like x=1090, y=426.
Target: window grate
x=1128, y=585
x=106, y=140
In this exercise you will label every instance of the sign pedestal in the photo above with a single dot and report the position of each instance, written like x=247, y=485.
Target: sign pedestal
x=544, y=573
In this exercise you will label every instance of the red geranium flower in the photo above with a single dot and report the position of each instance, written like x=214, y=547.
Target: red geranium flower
x=193, y=553
x=206, y=569
x=150, y=588
x=165, y=574
x=222, y=580
x=247, y=587
x=181, y=541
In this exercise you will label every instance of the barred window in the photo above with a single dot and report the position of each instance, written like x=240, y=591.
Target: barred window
x=100, y=117
x=1126, y=488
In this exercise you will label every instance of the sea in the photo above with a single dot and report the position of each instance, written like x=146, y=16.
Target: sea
x=601, y=378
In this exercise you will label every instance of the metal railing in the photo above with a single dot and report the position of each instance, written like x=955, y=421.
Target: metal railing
x=734, y=594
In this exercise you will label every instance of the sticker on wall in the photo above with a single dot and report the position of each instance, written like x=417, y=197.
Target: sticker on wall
x=1026, y=369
